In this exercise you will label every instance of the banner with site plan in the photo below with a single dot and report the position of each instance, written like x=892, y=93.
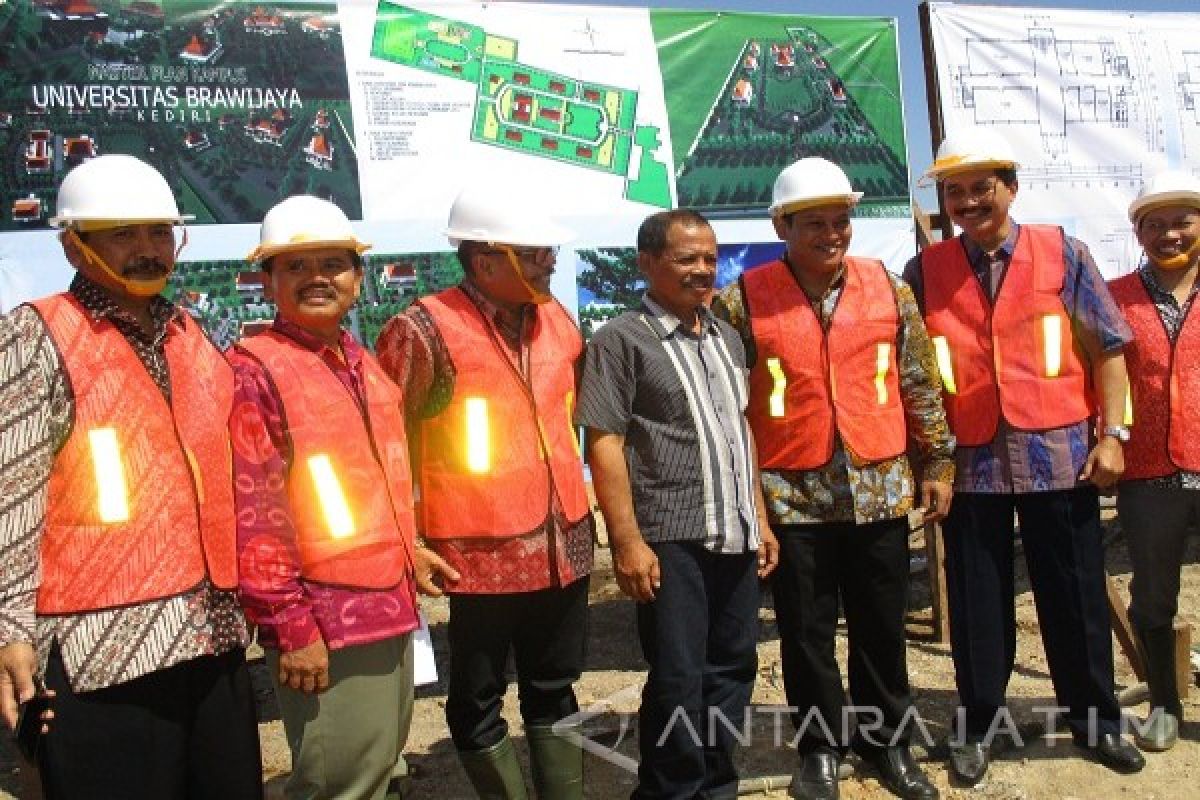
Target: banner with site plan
x=389, y=108
x=1092, y=101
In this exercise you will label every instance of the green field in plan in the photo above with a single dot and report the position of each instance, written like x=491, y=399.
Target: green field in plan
x=550, y=115
x=435, y=44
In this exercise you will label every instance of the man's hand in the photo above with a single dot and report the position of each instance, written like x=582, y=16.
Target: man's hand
x=768, y=550
x=306, y=669
x=935, y=500
x=17, y=666
x=636, y=567
x=1105, y=463
x=432, y=572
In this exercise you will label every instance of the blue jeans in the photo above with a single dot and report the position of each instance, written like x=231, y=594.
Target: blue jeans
x=699, y=637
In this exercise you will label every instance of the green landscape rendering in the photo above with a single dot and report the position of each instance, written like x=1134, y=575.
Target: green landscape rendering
x=226, y=297
x=748, y=94
x=238, y=104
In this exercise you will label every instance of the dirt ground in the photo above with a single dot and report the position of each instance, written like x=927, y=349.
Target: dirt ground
x=1041, y=768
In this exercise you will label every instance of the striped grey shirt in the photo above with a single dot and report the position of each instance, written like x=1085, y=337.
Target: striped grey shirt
x=678, y=398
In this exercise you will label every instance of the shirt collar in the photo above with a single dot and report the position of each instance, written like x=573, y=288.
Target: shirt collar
x=99, y=304
x=507, y=322
x=976, y=254
x=665, y=323
x=351, y=349
x=1156, y=290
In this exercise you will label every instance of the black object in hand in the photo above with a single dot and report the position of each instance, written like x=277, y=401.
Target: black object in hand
x=29, y=722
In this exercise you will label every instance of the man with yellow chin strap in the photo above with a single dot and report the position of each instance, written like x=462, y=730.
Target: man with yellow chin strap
x=117, y=524
x=1159, y=492
x=488, y=370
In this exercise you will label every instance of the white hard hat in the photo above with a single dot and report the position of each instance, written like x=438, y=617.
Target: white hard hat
x=115, y=188
x=304, y=222
x=811, y=182
x=508, y=216
x=1170, y=187
x=971, y=148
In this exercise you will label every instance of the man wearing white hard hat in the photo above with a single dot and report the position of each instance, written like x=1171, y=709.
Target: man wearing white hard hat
x=1159, y=493
x=488, y=371
x=325, y=514
x=117, y=531
x=832, y=445
x=1029, y=344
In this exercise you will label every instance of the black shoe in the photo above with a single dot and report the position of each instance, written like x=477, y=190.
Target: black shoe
x=901, y=775
x=1114, y=752
x=817, y=778
x=969, y=762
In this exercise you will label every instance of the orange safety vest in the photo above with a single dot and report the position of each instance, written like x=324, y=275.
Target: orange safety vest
x=801, y=391
x=1164, y=384
x=1017, y=357
x=491, y=459
x=349, y=483
x=174, y=461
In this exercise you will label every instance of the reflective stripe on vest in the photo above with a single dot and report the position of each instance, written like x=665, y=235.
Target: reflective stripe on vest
x=1164, y=380
x=349, y=483
x=488, y=461
x=140, y=497
x=1017, y=358
x=800, y=393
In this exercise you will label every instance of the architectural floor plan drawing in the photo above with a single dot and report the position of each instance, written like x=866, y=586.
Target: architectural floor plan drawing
x=1093, y=102
x=1048, y=83
x=526, y=108
x=1189, y=85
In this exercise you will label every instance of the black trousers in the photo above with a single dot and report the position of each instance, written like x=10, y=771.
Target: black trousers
x=188, y=732
x=867, y=567
x=1064, y=553
x=1156, y=523
x=546, y=631
x=699, y=636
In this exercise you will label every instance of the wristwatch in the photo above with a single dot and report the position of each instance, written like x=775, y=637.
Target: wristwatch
x=1118, y=432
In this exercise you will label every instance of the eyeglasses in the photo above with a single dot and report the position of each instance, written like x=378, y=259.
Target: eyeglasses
x=1152, y=225
x=979, y=192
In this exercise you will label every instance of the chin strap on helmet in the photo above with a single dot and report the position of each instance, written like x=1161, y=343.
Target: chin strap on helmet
x=134, y=287
x=536, y=295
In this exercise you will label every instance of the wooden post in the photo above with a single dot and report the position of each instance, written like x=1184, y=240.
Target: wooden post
x=937, y=128
x=935, y=562
x=925, y=223
x=1122, y=628
x=1183, y=657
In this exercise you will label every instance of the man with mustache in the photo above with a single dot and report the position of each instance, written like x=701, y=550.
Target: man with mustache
x=1158, y=495
x=841, y=386
x=1029, y=344
x=117, y=528
x=325, y=516
x=673, y=462
x=488, y=372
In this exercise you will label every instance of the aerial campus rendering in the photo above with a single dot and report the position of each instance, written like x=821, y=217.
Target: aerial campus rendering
x=238, y=105
x=776, y=89
x=526, y=108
